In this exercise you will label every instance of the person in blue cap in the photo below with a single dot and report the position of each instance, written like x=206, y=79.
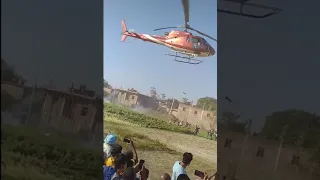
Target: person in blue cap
x=109, y=141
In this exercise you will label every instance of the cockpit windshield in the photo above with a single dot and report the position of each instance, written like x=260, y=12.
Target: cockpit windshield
x=205, y=42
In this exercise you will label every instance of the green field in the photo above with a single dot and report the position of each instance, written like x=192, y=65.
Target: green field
x=150, y=119
x=29, y=154
x=125, y=114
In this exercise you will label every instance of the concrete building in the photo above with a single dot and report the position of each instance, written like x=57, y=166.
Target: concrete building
x=133, y=98
x=196, y=116
x=14, y=90
x=65, y=110
x=257, y=157
x=70, y=111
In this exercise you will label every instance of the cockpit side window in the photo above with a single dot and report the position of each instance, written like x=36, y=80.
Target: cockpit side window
x=188, y=39
x=196, y=43
x=195, y=40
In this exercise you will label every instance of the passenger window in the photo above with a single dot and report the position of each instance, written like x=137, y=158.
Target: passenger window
x=188, y=39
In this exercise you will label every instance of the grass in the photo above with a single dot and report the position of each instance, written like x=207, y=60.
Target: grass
x=29, y=154
x=141, y=142
x=125, y=114
x=150, y=119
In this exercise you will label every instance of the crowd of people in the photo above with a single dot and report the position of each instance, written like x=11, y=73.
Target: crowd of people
x=125, y=165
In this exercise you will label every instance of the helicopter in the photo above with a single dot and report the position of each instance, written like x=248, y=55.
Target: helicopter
x=185, y=45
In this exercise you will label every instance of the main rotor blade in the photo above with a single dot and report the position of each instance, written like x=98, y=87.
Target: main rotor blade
x=185, y=4
x=165, y=28
x=203, y=34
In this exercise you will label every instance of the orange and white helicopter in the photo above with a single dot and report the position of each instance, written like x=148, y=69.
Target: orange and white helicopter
x=185, y=45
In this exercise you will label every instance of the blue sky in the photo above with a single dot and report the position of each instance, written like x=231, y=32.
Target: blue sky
x=141, y=65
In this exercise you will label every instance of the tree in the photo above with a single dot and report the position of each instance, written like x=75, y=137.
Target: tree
x=208, y=103
x=231, y=120
x=185, y=100
x=106, y=84
x=230, y=117
x=168, y=103
x=153, y=92
x=9, y=74
x=163, y=96
x=303, y=127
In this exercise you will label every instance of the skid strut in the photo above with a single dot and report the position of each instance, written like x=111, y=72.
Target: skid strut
x=190, y=59
x=244, y=3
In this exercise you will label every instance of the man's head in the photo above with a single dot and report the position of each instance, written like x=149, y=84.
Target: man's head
x=111, y=139
x=115, y=150
x=120, y=163
x=129, y=174
x=128, y=154
x=183, y=177
x=165, y=176
x=187, y=158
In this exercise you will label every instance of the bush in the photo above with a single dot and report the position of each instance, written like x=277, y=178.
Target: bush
x=128, y=115
x=25, y=148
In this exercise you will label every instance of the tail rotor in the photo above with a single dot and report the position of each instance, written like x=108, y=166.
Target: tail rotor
x=124, y=31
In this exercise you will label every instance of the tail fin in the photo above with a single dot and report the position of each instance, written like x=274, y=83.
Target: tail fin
x=124, y=30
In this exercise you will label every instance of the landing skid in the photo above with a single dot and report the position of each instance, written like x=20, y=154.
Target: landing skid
x=190, y=59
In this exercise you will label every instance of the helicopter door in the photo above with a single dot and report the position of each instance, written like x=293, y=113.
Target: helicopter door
x=196, y=43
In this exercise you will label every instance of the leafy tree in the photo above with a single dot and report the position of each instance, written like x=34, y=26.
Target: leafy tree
x=208, y=103
x=8, y=74
x=185, y=100
x=303, y=127
x=168, y=103
x=153, y=92
x=106, y=84
x=163, y=96
x=230, y=119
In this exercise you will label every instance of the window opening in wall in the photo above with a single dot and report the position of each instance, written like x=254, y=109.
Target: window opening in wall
x=195, y=112
x=227, y=143
x=260, y=152
x=132, y=97
x=208, y=114
x=295, y=160
x=183, y=109
x=84, y=111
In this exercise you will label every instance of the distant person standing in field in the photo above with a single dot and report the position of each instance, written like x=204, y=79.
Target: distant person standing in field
x=196, y=130
x=109, y=141
x=210, y=133
x=179, y=167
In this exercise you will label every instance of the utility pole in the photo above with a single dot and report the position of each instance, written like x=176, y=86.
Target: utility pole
x=280, y=147
x=29, y=113
x=171, y=106
x=202, y=110
x=191, y=105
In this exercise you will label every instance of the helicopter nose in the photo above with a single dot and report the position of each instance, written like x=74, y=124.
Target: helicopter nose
x=212, y=51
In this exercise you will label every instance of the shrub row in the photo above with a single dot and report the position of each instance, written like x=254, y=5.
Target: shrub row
x=143, y=120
